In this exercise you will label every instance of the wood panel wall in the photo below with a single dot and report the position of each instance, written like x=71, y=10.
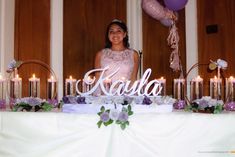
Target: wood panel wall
x=32, y=39
x=214, y=44
x=85, y=23
x=156, y=52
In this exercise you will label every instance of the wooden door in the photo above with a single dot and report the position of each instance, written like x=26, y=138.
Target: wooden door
x=85, y=23
x=32, y=40
x=216, y=34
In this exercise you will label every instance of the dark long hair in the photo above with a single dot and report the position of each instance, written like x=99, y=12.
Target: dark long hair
x=123, y=26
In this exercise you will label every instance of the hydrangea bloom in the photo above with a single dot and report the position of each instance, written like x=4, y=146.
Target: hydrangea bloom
x=123, y=116
x=104, y=117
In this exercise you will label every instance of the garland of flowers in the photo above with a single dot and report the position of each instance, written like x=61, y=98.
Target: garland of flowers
x=32, y=104
x=206, y=105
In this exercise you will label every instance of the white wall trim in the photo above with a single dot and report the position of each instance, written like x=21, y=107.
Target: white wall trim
x=57, y=42
x=134, y=24
x=7, y=26
x=191, y=38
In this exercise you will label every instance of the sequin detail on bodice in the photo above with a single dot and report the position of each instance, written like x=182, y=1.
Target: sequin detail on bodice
x=118, y=59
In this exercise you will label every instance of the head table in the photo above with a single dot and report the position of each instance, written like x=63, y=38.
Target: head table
x=175, y=134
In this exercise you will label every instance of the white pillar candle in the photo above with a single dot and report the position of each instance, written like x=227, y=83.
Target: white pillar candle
x=34, y=86
x=107, y=84
x=179, y=89
x=70, y=86
x=215, y=88
x=87, y=84
x=16, y=87
x=162, y=82
x=51, y=88
x=196, y=88
x=230, y=89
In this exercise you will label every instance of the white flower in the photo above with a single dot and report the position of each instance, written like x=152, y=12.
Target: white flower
x=222, y=64
x=12, y=64
x=114, y=113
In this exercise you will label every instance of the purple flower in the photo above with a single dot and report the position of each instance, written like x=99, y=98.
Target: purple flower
x=179, y=104
x=81, y=100
x=123, y=116
x=104, y=117
x=12, y=64
x=65, y=99
x=230, y=106
x=33, y=101
x=53, y=102
x=203, y=104
x=146, y=101
x=2, y=104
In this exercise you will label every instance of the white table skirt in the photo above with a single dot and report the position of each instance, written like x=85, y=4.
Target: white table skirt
x=176, y=134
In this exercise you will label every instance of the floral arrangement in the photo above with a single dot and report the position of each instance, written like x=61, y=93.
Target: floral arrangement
x=12, y=65
x=206, y=105
x=32, y=104
x=109, y=116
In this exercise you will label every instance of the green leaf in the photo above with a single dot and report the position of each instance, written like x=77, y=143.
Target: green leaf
x=127, y=123
x=118, y=122
x=129, y=107
x=123, y=126
x=47, y=107
x=130, y=113
x=99, y=123
x=108, y=122
x=99, y=113
x=102, y=109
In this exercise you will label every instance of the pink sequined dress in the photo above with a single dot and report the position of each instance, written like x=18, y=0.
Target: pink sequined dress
x=123, y=60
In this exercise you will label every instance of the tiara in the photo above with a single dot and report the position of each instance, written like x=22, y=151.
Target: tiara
x=116, y=20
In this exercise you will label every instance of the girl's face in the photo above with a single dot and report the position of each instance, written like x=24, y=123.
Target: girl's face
x=116, y=34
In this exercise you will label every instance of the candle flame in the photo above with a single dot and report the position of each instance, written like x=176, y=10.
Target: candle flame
x=231, y=77
x=33, y=75
x=162, y=78
x=215, y=77
x=17, y=75
x=70, y=77
x=0, y=76
x=52, y=77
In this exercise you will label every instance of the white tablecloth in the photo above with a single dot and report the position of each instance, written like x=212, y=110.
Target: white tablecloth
x=176, y=134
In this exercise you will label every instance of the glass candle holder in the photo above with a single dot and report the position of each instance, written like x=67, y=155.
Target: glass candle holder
x=162, y=82
x=51, y=88
x=216, y=88
x=196, y=88
x=179, y=89
x=70, y=86
x=107, y=84
x=34, y=86
x=16, y=87
x=230, y=89
x=87, y=84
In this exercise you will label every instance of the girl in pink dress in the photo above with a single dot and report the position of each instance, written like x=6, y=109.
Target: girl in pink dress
x=117, y=54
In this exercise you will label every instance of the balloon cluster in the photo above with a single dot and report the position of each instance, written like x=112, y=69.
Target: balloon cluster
x=168, y=16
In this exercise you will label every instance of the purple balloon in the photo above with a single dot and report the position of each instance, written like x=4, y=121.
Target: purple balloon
x=167, y=22
x=175, y=5
x=155, y=9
